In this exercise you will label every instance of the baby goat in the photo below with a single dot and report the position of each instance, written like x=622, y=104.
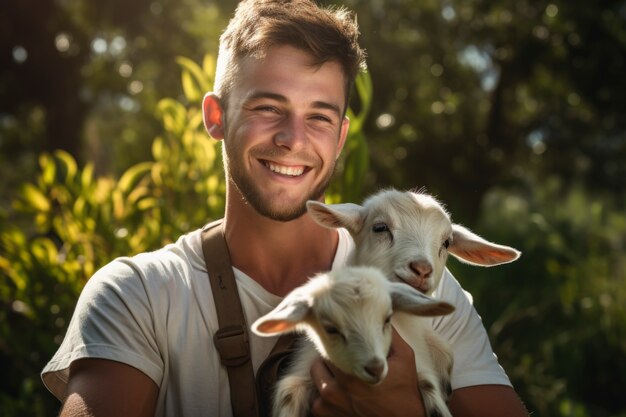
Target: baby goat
x=346, y=316
x=408, y=236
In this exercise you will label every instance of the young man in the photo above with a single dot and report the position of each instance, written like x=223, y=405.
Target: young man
x=140, y=342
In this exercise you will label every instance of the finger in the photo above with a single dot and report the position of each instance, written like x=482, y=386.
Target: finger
x=322, y=376
x=332, y=399
x=343, y=379
x=320, y=408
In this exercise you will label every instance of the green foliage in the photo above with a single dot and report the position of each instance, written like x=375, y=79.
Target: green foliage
x=69, y=223
x=557, y=317
x=473, y=94
x=354, y=164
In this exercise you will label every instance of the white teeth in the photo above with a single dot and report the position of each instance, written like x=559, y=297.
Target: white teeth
x=281, y=169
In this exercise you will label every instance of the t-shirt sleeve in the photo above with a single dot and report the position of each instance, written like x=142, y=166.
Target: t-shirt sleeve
x=112, y=320
x=474, y=360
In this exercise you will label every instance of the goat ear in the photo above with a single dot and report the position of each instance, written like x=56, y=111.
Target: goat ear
x=333, y=216
x=284, y=318
x=470, y=248
x=407, y=299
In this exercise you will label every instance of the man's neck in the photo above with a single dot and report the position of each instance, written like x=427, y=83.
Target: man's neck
x=278, y=255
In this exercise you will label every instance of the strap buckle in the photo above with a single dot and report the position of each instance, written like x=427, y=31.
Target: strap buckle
x=232, y=344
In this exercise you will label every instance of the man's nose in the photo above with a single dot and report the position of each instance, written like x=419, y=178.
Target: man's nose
x=291, y=133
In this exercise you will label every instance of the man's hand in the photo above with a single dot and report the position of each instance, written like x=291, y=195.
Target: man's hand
x=345, y=395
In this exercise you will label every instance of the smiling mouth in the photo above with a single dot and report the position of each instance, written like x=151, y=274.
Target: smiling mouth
x=290, y=171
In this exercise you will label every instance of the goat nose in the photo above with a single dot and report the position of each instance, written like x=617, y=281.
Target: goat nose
x=375, y=368
x=423, y=269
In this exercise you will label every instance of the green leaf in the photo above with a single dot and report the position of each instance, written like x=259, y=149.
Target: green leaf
x=35, y=198
x=118, y=205
x=194, y=117
x=137, y=194
x=356, y=166
x=364, y=89
x=197, y=81
x=19, y=279
x=133, y=175
x=209, y=66
x=45, y=251
x=213, y=184
x=190, y=88
x=156, y=174
x=79, y=208
x=68, y=162
x=173, y=115
x=48, y=169
x=187, y=139
x=157, y=149
x=44, y=160
x=205, y=153
x=147, y=203
x=86, y=177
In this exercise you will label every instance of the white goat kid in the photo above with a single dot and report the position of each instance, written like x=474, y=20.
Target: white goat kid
x=408, y=236
x=345, y=315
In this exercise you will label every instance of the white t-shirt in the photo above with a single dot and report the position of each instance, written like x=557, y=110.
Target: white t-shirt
x=155, y=312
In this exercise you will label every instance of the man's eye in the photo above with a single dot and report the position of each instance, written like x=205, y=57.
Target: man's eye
x=322, y=118
x=380, y=227
x=266, y=109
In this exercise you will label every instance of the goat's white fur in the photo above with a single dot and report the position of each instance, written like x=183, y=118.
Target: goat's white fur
x=345, y=315
x=408, y=235
x=418, y=229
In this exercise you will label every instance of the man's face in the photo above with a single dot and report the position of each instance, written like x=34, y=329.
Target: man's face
x=284, y=130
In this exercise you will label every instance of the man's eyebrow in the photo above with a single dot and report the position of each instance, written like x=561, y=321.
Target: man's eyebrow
x=327, y=106
x=282, y=99
x=266, y=94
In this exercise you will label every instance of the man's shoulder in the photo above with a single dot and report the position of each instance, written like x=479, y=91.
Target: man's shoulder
x=344, y=247
x=185, y=252
x=174, y=260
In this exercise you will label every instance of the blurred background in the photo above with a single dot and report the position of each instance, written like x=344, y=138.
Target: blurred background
x=512, y=113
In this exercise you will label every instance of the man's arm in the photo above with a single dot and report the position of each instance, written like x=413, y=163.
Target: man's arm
x=100, y=387
x=486, y=401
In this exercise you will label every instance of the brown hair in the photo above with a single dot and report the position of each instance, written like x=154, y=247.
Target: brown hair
x=328, y=34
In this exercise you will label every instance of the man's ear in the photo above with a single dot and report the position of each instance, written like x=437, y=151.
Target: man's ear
x=212, y=116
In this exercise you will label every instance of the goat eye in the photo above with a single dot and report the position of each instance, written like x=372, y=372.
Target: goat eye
x=380, y=227
x=331, y=330
x=446, y=243
x=387, y=320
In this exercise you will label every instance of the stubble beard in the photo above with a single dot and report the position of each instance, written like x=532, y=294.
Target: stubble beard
x=253, y=195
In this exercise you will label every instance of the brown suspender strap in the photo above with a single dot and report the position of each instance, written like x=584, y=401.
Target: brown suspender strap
x=231, y=340
x=272, y=368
